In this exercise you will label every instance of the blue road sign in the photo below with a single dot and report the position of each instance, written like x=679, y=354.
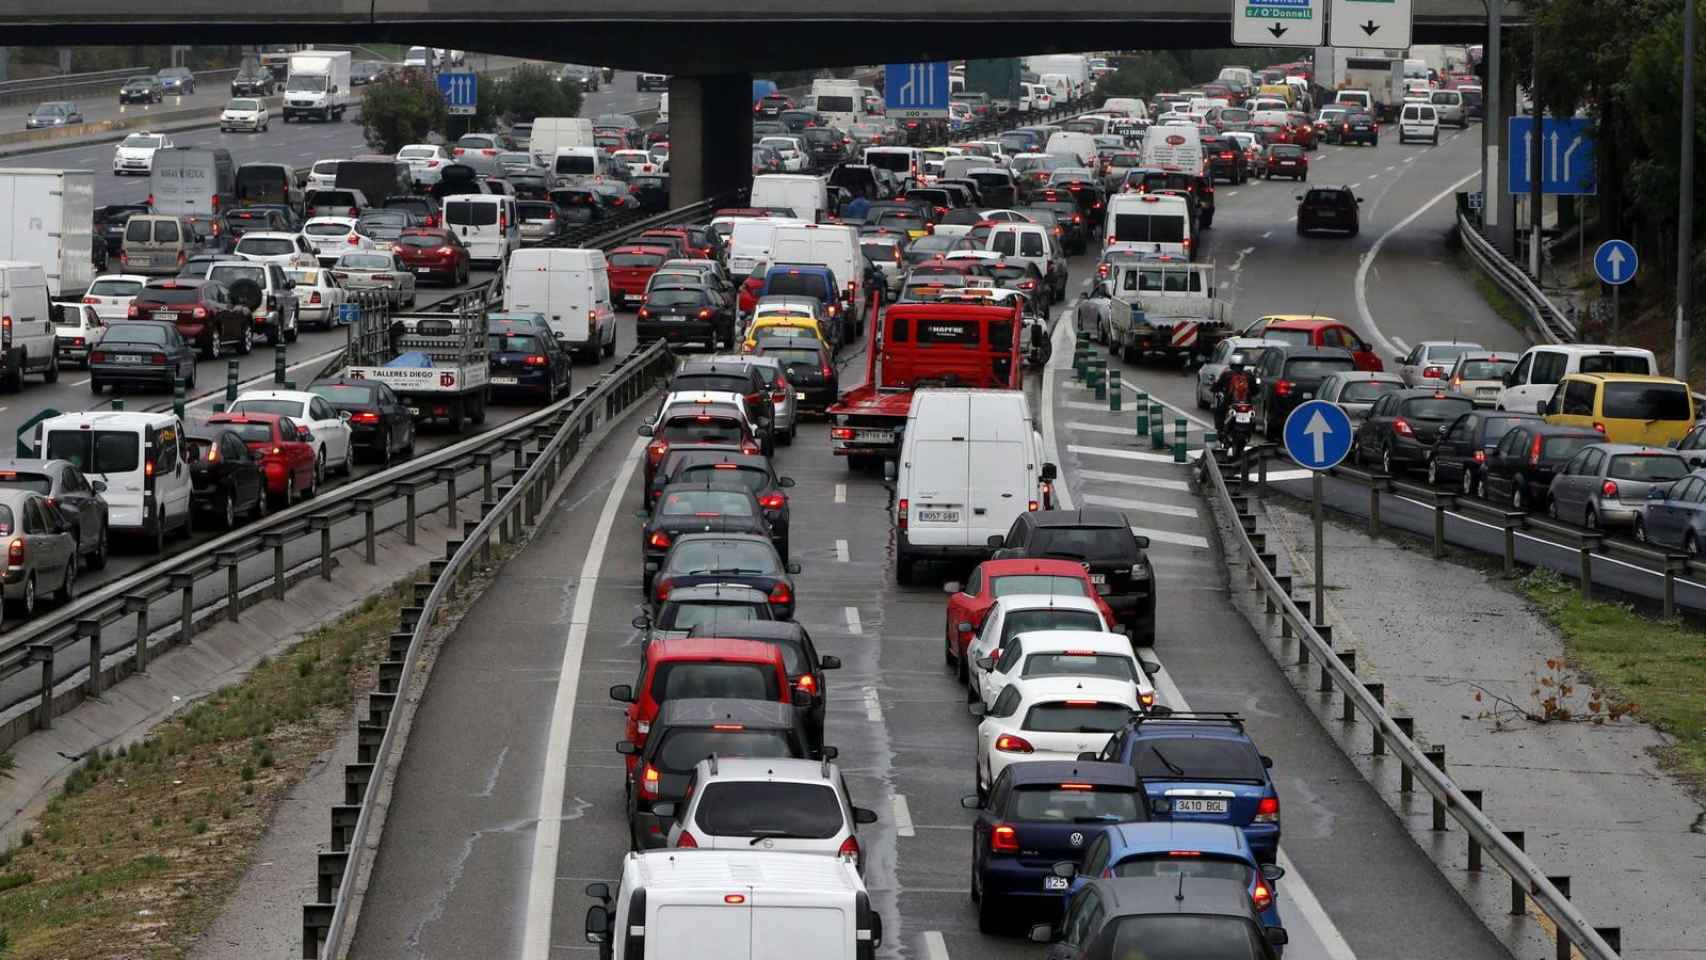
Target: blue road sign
x=348, y=313
x=461, y=93
x=1566, y=156
x=1615, y=262
x=1318, y=435
x=916, y=90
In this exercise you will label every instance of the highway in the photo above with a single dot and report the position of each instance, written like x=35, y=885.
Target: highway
x=509, y=799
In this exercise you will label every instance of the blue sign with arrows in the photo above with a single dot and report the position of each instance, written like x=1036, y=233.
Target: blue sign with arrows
x=1566, y=156
x=914, y=91
x=1615, y=262
x=1318, y=435
x=461, y=93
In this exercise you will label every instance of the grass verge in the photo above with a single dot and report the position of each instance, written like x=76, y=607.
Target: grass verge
x=1508, y=310
x=1659, y=666
x=139, y=853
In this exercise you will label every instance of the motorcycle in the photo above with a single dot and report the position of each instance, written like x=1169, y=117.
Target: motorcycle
x=1239, y=423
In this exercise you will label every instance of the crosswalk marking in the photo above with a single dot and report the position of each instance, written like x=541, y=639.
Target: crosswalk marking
x=1135, y=480
x=1121, y=454
x=1168, y=536
x=1141, y=506
x=1130, y=431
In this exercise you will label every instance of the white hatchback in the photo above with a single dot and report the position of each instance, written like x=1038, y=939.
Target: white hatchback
x=135, y=153
x=332, y=237
x=331, y=431
x=111, y=294
x=1069, y=653
x=1049, y=718
x=1024, y=613
x=764, y=803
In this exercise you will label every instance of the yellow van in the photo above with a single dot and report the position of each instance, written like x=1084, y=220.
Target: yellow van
x=1625, y=407
x=1283, y=91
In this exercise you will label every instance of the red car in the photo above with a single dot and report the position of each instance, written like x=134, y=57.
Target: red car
x=743, y=669
x=631, y=267
x=433, y=253
x=673, y=239
x=288, y=461
x=992, y=579
x=1302, y=131
x=1306, y=331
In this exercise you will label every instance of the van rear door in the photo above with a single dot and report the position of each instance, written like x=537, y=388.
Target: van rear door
x=939, y=465
x=997, y=474
x=783, y=926
x=713, y=930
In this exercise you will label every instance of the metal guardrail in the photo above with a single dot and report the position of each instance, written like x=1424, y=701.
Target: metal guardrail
x=74, y=85
x=1552, y=323
x=1396, y=736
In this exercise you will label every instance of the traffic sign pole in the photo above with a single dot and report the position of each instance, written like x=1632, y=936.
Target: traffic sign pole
x=1318, y=435
x=1320, y=611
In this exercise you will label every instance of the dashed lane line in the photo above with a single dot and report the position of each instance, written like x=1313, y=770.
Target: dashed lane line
x=1141, y=506
x=1138, y=480
x=902, y=817
x=841, y=550
x=1168, y=536
x=853, y=625
x=1120, y=454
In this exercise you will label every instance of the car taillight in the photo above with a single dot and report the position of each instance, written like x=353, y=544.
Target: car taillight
x=748, y=447
x=644, y=313
x=365, y=416
x=353, y=212
x=1033, y=506
x=659, y=540
x=1004, y=839
x=662, y=590
x=649, y=781
x=781, y=595
x=1008, y=743
x=98, y=356
x=1609, y=489
x=1480, y=456
x=200, y=313
x=1432, y=373
x=1600, y=427
x=899, y=508
x=1267, y=811
x=1262, y=896
x=849, y=849
x=705, y=314
x=133, y=311
x=843, y=433
x=1282, y=388
x=1534, y=453
x=656, y=450
x=535, y=360
x=686, y=841
x=773, y=501
x=147, y=468
x=158, y=358
x=1401, y=427
x=15, y=552
x=91, y=299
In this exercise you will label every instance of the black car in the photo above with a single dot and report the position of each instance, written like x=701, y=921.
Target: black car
x=141, y=90
x=1520, y=469
x=652, y=191
x=687, y=731
x=680, y=425
x=261, y=219
x=228, y=481
x=525, y=362
x=533, y=183
x=1328, y=208
x=744, y=558
x=110, y=220
x=1359, y=126
x=253, y=80
x=809, y=368
x=827, y=146
x=141, y=353
x=581, y=205
x=736, y=378
x=1170, y=916
x=800, y=657
x=1289, y=375
x=1466, y=443
x=1199, y=190
x=709, y=465
x=798, y=120
x=1225, y=159
x=1102, y=541
x=685, y=315
x=697, y=507
x=1074, y=232
x=77, y=497
x=1402, y=427
x=380, y=423
x=427, y=211
x=364, y=72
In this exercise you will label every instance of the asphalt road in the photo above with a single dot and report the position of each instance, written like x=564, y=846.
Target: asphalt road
x=208, y=94
x=484, y=854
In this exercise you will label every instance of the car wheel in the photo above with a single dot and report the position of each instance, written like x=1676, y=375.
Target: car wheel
x=1590, y=517
x=262, y=506
x=1640, y=530
x=68, y=589
x=98, y=559
x=1467, y=484
x=52, y=374
x=211, y=351
x=228, y=513
x=319, y=473
x=903, y=569
x=989, y=915
x=25, y=606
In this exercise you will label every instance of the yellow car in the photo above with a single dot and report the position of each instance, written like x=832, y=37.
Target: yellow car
x=1625, y=407
x=784, y=324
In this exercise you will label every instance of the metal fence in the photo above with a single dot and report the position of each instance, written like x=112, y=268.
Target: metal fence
x=1395, y=736
x=72, y=86
x=1552, y=323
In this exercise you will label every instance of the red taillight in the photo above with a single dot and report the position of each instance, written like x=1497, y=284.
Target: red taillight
x=1004, y=839
x=98, y=356
x=1401, y=427
x=781, y=595
x=1267, y=811
x=535, y=360
x=1282, y=388
x=649, y=779
x=1432, y=373
x=1033, y=506
x=659, y=540
x=807, y=683
x=352, y=239
x=1480, y=456
x=1609, y=489
x=705, y=314
x=91, y=299
x=840, y=433
x=644, y=313
x=656, y=450
x=686, y=841
x=148, y=468
x=748, y=446
x=900, y=508
x=1534, y=453
x=133, y=311
x=366, y=416
x=200, y=313
x=1600, y=427
x=353, y=212
x=1007, y=743
x=158, y=358
x=15, y=552
x=773, y=501
x=1262, y=896
x=662, y=590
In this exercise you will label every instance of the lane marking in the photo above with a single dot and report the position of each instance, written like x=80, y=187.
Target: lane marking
x=1057, y=361
x=1138, y=480
x=1405, y=347
x=935, y=948
x=1356, y=185
x=80, y=383
x=853, y=625
x=1142, y=506
x=1121, y=455
x=1361, y=289
x=1267, y=235
x=902, y=817
x=841, y=550
x=1168, y=536
x=873, y=706
x=1128, y=431
x=548, y=831
x=841, y=493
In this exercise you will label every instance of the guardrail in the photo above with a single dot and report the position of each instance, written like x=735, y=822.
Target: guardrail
x=73, y=85
x=1395, y=736
x=1552, y=323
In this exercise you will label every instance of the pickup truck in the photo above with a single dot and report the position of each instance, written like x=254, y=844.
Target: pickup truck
x=1164, y=307
x=438, y=364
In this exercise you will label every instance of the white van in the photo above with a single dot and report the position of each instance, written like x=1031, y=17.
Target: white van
x=1059, y=86
x=193, y=181
x=970, y=463
x=802, y=193
x=26, y=345
x=831, y=245
x=1077, y=147
x=903, y=162
x=1173, y=148
x=581, y=162
x=551, y=134
x=1355, y=98
x=749, y=243
x=839, y=102
x=749, y=904
x=1418, y=121
x=571, y=287
x=138, y=456
x=487, y=225
x=1537, y=373
x=1126, y=107
x=1149, y=223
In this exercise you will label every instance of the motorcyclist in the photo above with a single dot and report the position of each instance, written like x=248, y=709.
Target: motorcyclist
x=1234, y=386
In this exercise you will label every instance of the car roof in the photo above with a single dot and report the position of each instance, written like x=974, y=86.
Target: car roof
x=1367, y=376
x=1053, y=688
x=762, y=631
x=712, y=648
x=1032, y=565
x=1082, y=771
x=747, y=537
x=708, y=710
x=1088, y=517
x=1168, y=835
x=1622, y=378
x=1312, y=352
x=32, y=464
x=786, y=769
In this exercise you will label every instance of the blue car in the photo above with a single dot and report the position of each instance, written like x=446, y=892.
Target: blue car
x=817, y=282
x=1202, y=768
x=1179, y=849
x=1037, y=814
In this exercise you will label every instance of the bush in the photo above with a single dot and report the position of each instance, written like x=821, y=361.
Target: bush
x=398, y=111
x=532, y=91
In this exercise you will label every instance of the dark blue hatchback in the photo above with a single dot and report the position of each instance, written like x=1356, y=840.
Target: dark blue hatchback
x=1203, y=767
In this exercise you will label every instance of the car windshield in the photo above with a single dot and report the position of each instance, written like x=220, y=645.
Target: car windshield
x=1181, y=863
x=1647, y=401
x=365, y=261
x=1024, y=621
x=705, y=503
x=640, y=260
x=1076, y=716
x=675, y=297
x=266, y=246
x=115, y=288
x=1366, y=391
x=250, y=432
x=1562, y=448
x=96, y=452
x=1485, y=369
x=1015, y=583
x=680, y=679
x=1197, y=758
x=424, y=241
x=1184, y=936
x=686, y=616
x=696, y=557
x=1084, y=543
x=701, y=429
x=146, y=333
x=342, y=393
x=138, y=141
x=1647, y=467
x=682, y=748
x=767, y=808
x=1144, y=228
x=512, y=343
x=1437, y=408
x=1080, y=663
x=324, y=229
x=790, y=357
x=1314, y=368
x=752, y=478
x=243, y=105
x=792, y=283
x=1075, y=803
x=33, y=482
x=170, y=295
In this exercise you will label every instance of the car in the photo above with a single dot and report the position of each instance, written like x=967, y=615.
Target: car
x=731, y=376
x=1202, y=767
x=797, y=806
x=715, y=420
x=78, y=498
x=1606, y=485
x=244, y=113
x=723, y=465
x=266, y=291
x=1520, y=469
x=1354, y=391
x=1018, y=613
x=1048, y=718
x=228, y=477
x=333, y=446
x=1180, y=850
x=1208, y=375
x=1623, y=407
x=75, y=327
x=482, y=144
x=1480, y=374
x=1284, y=160
x=800, y=658
x=269, y=219
x=699, y=668
x=1059, y=652
x=685, y=731
x=1290, y=375
x=141, y=90
x=318, y=297
x=54, y=113
x=434, y=253
x=1465, y=444
x=41, y=551
x=1328, y=208
x=332, y=237
x=1428, y=364
x=1402, y=427
x=1314, y=330
x=288, y=250
x=133, y=353
x=1101, y=539
x=1169, y=917
x=783, y=400
x=381, y=271
x=970, y=603
x=1359, y=126
x=1675, y=515
x=713, y=610
x=1418, y=121
x=651, y=81
x=527, y=361
x=743, y=558
x=177, y=81
x=287, y=454
x=380, y=423
x=384, y=225
x=695, y=507
x=1036, y=815
x=426, y=162
x=1692, y=446
x=204, y=311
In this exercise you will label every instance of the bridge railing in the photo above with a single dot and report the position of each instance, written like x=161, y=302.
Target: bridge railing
x=1551, y=322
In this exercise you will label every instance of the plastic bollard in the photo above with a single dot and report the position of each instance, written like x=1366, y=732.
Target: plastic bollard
x=1114, y=390
x=1099, y=378
x=278, y=364
x=178, y=396
x=1179, y=440
x=1157, y=427
x=231, y=381
x=1142, y=403
x=118, y=404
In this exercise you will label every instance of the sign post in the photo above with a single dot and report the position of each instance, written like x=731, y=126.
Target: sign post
x=1371, y=23
x=1279, y=23
x=916, y=91
x=1318, y=436
x=1615, y=263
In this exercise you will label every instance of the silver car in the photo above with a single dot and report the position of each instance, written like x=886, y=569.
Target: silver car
x=1209, y=373
x=783, y=397
x=41, y=551
x=1480, y=375
x=1607, y=484
x=376, y=270
x=1356, y=390
x=769, y=803
x=54, y=113
x=1428, y=363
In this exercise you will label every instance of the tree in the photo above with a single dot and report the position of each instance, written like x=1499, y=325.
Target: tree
x=531, y=91
x=398, y=111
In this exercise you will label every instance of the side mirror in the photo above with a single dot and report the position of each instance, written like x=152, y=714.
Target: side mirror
x=344, y=415
x=257, y=455
x=664, y=810
x=622, y=693
x=1271, y=872
x=99, y=486
x=1359, y=199
x=598, y=890
x=987, y=663
x=785, y=482
x=644, y=430
x=829, y=752
x=829, y=662
x=1298, y=198
x=1540, y=408
x=971, y=802
x=627, y=748
x=1043, y=933
x=1050, y=471
x=1657, y=493
x=996, y=541
x=1066, y=869
x=1277, y=935
x=975, y=709
x=1160, y=710
x=1142, y=542
x=952, y=587
x=793, y=568
x=1267, y=762
x=642, y=622
x=597, y=924
x=1150, y=667
x=862, y=815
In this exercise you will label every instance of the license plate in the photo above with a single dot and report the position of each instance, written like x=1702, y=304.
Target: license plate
x=121, y=358
x=504, y=381
x=873, y=436
x=414, y=411
x=423, y=269
x=1241, y=416
x=799, y=395
x=938, y=516
x=1098, y=578
x=1198, y=805
x=1055, y=883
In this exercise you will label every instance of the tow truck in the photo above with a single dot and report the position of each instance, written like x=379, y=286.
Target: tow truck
x=1165, y=307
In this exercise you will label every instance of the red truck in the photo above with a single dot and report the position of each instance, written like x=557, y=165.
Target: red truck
x=963, y=344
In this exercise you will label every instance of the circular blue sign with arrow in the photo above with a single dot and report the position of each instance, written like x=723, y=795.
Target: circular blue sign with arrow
x=1318, y=435
x=1615, y=262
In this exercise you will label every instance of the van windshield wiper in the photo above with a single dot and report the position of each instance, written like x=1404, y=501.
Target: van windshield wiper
x=763, y=835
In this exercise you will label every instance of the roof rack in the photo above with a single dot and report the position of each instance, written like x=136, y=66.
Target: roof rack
x=1190, y=716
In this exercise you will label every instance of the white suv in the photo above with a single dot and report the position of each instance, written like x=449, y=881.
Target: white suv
x=741, y=803
x=1418, y=121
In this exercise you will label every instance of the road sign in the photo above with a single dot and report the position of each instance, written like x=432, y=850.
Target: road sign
x=913, y=91
x=1566, y=156
x=1477, y=200
x=1279, y=23
x=461, y=93
x=348, y=313
x=1317, y=435
x=1615, y=262
x=1371, y=23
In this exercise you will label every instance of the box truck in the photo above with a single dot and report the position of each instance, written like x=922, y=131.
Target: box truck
x=46, y=218
x=318, y=85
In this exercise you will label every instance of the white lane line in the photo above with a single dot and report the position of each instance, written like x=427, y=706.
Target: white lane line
x=1390, y=167
x=548, y=828
x=1413, y=159
x=1232, y=193
x=935, y=948
x=80, y=383
x=841, y=551
x=1064, y=333
x=1181, y=411
x=1267, y=235
x=873, y=706
x=1130, y=430
x=841, y=493
x=1138, y=480
x=1367, y=315
x=853, y=625
x=1081, y=405
x=1357, y=184
x=1120, y=455
x=1168, y=536
x=1403, y=347
x=1141, y=506
x=902, y=817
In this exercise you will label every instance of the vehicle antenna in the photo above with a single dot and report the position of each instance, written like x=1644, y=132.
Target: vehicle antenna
x=1180, y=896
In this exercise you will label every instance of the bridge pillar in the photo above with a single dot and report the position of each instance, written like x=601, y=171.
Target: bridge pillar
x=710, y=135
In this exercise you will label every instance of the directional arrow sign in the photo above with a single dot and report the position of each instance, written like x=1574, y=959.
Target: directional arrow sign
x=1318, y=435
x=1567, y=158
x=1279, y=23
x=1371, y=23
x=1615, y=262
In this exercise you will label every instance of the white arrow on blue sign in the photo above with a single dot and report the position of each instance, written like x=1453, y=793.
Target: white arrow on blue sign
x=1318, y=435
x=461, y=92
x=1567, y=160
x=1615, y=262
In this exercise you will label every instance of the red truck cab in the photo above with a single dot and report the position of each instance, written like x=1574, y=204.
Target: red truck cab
x=705, y=668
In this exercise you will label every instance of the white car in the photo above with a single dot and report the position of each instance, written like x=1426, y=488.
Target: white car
x=1069, y=653
x=637, y=161
x=318, y=296
x=330, y=430
x=323, y=175
x=1024, y=613
x=135, y=153
x=790, y=150
x=288, y=250
x=244, y=113
x=111, y=294
x=1049, y=718
x=426, y=162
x=332, y=237
x=673, y=402
x=745, y=803
x=76, y=326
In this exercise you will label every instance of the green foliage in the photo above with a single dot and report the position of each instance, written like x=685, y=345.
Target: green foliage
x=532, y=91
x=1146, y=73
x=401, y=110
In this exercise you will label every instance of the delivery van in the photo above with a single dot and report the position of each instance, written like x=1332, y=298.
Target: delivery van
x=27, y=342
x=749, y=244
x=802, y=193
x=486, y=224
x=833, y=246
x=571, y=287
x=138, y=456
x=193, y=181
x=551, y=134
